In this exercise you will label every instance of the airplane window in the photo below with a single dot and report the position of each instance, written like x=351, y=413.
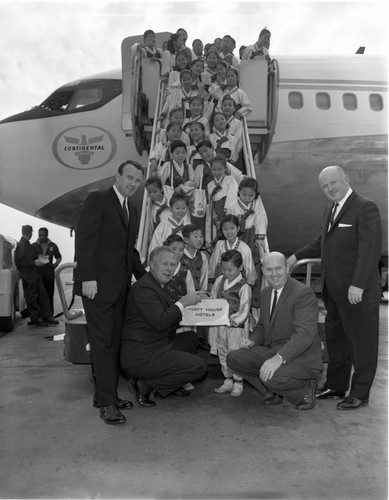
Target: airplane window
x=350, y=102
x=295, y=100
x=376, y=102
x=323, y=100
x=84, y=97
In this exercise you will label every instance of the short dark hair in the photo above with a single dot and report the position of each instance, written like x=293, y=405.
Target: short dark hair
x=196, y=40
x=214, y=52
x=172, y=124
x=200, y=124
x=148, y=32
x=43, y=229
x=196, y=61
x=233, y=256
x=185, y=71
x=249, y=182
x=178, y=197
x=174, y=110
x=220, y=158
x=206, y=143
x=189, y=229
x=173, y=238
x=129, y=162
x=154, y=180
x=233, y=219
x=26, y=229
x=196, y=98
x=177, y=144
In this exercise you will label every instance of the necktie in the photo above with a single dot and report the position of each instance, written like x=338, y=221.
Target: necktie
x=273, y=306
x=332, y=216
x=125, y=210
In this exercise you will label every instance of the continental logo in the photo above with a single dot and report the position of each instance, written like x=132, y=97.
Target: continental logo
x=84, y=147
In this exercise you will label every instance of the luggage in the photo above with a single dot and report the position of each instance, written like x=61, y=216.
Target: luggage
x=76, y=343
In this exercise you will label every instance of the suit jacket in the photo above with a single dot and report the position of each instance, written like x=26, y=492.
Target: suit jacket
x=150, y=322
x=104, y=246
x=292, y=331
x=350, y=250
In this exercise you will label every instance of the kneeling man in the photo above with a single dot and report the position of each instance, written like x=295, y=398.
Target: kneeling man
x=286, y=360
x=152, y=354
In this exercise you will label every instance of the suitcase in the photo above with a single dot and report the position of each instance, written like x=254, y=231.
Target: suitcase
x=76, y=343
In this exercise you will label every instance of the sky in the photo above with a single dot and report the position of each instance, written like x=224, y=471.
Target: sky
x=45, y=44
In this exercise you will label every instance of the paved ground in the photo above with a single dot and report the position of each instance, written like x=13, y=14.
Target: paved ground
x=53, y=444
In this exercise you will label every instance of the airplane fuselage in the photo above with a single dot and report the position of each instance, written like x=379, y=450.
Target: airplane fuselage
x=330, y=111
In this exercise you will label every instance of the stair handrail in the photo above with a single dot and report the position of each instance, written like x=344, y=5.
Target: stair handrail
x=144, y=225
x=272, y=106
x=247, y=153
x=69, y=315
x=305, y=262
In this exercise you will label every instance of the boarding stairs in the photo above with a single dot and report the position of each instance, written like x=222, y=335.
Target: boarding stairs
x=143, y=93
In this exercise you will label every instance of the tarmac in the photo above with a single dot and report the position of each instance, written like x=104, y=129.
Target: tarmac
x=54, y=445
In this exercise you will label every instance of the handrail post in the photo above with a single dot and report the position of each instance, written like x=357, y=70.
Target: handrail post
x=70, y=315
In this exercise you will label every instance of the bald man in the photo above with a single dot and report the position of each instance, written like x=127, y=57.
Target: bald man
x=349, y=246
x=286, y=360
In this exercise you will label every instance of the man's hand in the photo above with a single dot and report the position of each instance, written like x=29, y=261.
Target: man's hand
x=38, y=263
x=191, y=299
x=269, y=367
x=355, y=294
x=89, y=289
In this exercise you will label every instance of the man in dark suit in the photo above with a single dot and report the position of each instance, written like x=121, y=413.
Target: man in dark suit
x=152, y=354
x=350, y=248
x=286, y=360
x=106, y=260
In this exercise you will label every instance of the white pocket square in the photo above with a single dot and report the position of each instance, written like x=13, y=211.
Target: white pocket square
x=344, y=225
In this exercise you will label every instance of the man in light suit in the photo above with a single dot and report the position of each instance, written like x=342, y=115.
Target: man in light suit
x=152, y=354
x=106, y=259
x=350, y=246
x=286, y=360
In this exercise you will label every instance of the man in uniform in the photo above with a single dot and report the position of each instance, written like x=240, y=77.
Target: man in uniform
x=38, y=304
x=46, y=251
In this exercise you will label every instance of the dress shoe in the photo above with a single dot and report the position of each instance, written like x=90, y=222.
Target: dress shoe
x=309, y=399
x=121, y=404
x=351, y=403
x=51, y=321
x=41, y=322
x=329, y=394
x=142, y=393
x=124, y=404
x=274, y=399
x=178, y=393
x=111, y=415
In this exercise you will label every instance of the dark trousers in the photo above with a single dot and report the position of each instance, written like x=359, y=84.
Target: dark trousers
x=290, y=381
x=169, y=368
x=105, y=322
x=38, y=304
x=47, y=277
x=352, y=340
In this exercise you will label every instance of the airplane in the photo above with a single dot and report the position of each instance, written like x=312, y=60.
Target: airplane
x=308, y=113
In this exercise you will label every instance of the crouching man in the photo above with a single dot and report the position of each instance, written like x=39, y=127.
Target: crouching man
x=286, y=360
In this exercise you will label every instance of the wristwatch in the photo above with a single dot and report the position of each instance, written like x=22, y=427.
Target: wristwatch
x=282, y=359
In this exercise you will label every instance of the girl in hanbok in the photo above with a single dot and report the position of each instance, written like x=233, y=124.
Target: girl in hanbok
x=231, y=241
x=253, y=226
x=223, y=339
